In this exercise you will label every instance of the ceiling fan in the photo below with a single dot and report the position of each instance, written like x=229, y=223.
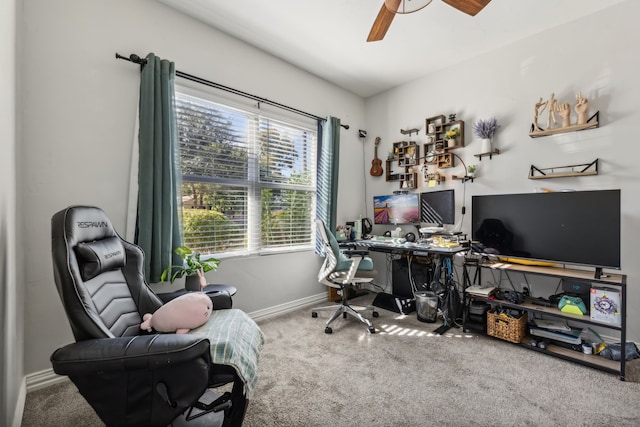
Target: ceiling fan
x=391, y=7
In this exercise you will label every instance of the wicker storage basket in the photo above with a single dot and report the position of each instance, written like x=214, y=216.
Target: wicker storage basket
x=506, y=328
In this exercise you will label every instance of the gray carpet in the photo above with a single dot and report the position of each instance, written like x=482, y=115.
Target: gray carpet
x=404, y=375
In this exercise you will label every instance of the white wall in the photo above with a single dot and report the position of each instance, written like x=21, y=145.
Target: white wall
x=594, y=55
x=79, y=108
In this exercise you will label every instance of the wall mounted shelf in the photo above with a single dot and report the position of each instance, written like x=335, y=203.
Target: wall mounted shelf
x=590, y=124
x=463, y=178
x=406, y=156
x=495, y=152
x=389, y=175
x=584, y=169
x=438, y=145
x=409, y=131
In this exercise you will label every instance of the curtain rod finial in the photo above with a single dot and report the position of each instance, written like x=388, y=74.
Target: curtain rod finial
x=132, y=58
x=136, y=58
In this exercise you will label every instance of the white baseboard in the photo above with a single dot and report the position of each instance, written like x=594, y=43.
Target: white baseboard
x=279, y=310
x=19, y=410
x=41, y=379
x=47, y=377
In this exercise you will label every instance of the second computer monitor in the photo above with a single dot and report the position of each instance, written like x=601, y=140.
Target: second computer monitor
x=438, y=207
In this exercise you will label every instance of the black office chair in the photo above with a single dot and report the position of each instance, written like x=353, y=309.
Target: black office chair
x=131, y=377
x=345, y=270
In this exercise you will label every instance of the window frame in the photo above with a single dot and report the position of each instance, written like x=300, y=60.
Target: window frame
x=253, y=184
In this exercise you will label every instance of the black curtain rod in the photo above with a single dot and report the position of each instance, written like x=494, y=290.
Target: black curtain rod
x=142, y=61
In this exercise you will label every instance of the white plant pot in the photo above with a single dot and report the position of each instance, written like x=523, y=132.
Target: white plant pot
x=485, y=145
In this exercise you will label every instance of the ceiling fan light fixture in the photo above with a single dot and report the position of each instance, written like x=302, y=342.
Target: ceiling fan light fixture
x=405, y=6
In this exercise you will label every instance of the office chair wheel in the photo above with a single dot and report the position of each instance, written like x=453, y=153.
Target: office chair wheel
x=372, y=329
x=375, y=314
x=314, y=314
x=328, y=330
x=344, y=315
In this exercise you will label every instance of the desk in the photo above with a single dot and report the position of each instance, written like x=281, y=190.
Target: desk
x=402, y=299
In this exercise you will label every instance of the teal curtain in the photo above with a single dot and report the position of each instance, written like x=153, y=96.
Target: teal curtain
x=158, y=222
x=328, y=165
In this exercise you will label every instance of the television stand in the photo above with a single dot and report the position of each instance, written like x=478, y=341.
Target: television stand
x=612, y=283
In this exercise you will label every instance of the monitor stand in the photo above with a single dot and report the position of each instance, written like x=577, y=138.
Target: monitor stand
x=598, y=273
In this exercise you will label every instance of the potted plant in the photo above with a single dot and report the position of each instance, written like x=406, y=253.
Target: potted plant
x=451, y=136
x=193, y=267
x=471, y=170
x=485, y=129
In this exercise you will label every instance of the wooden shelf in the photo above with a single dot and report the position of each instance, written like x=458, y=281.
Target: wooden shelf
x=435, y=177
x=585, y=169
x=409, y=131
x=437, y=128
x=388, y=175
x=591, y=124
x=463, y=178
x=495, y=152
x=407, y=155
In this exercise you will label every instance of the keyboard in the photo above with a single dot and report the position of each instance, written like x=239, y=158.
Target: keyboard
x=448, y=249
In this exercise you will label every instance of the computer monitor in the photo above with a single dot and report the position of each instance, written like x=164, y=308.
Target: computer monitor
x=438, y=207
x=396, y=209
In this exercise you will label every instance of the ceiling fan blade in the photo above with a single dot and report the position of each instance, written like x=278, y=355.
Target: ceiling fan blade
x=470, y=7
x=382, y=22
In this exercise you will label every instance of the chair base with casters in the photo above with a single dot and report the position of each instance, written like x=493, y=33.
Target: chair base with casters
x=345, y=309
x=344, y=269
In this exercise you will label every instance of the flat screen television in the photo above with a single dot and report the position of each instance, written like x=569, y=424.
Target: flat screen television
x=438, y=207
x=573, y=227
x=396, y=209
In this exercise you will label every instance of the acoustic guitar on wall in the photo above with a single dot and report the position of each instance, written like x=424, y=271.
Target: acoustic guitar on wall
x=376, y=163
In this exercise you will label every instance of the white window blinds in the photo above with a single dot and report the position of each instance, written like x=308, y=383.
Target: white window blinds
x=248, y=180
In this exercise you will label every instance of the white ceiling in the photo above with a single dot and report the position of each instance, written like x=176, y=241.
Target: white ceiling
x=328, y=37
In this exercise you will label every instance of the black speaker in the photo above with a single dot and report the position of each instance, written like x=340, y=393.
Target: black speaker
x=366, y=227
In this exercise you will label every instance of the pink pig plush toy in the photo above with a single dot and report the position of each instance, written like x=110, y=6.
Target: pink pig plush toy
x=179, y=315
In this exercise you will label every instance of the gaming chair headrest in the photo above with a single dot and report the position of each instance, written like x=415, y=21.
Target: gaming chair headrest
x=77, y=224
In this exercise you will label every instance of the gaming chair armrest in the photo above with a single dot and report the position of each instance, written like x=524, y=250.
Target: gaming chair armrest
x=220, y=295
x=128, y=353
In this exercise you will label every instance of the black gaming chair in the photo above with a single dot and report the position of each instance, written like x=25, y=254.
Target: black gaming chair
x=129, y=376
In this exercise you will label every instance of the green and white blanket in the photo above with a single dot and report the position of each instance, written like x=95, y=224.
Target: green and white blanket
x=236, y=340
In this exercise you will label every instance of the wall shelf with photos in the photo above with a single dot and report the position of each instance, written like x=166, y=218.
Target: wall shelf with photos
x=406, y=155
x=437, y=128
x=438, y=146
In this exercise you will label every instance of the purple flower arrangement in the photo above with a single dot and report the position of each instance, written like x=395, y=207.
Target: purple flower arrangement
x=486, y=128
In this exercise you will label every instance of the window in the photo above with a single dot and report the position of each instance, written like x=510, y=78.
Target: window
x=248, y=180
